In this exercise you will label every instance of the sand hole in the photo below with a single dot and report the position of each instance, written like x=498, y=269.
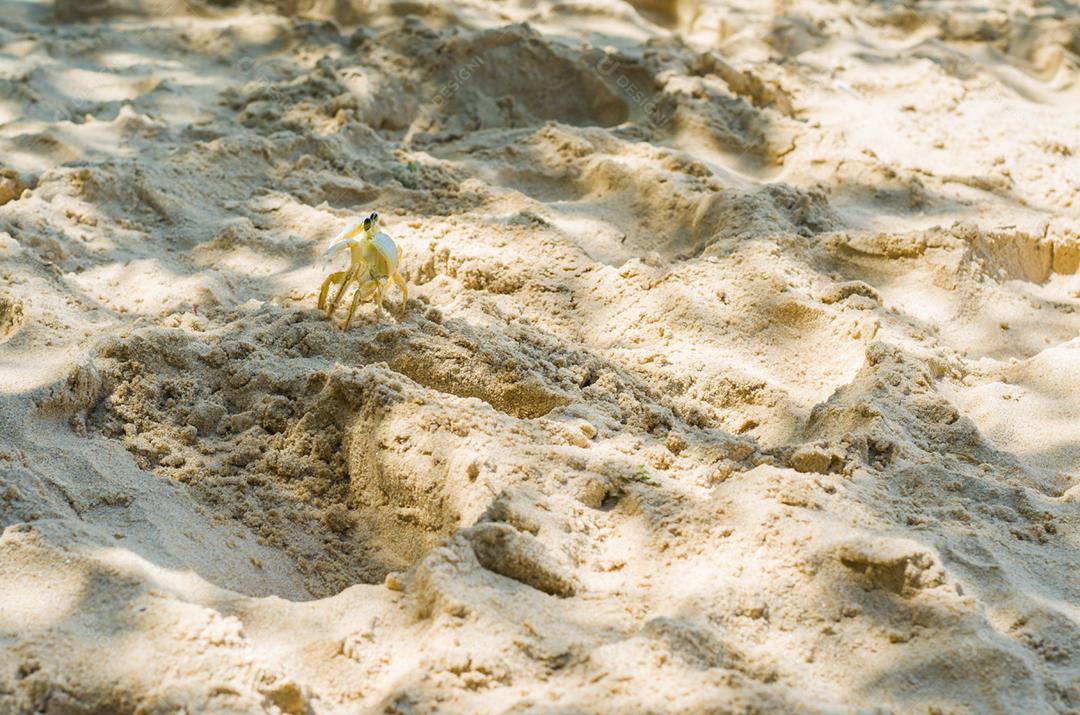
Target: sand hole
x=301, y=460
x=562, y=85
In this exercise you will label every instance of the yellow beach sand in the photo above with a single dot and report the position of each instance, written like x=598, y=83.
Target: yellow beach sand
x=739, y=371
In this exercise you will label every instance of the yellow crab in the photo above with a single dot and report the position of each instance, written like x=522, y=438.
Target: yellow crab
x=374, y=259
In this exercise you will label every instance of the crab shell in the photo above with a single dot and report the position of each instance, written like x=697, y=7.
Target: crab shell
x=387, y=250
x=380, y=252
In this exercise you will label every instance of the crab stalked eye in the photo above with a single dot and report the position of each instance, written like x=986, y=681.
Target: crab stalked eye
x=374, y=217
x=367, y=224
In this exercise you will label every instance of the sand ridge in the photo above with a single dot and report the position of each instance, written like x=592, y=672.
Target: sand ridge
x=736, y=374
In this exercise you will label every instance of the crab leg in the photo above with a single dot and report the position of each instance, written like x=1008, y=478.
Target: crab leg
x=400, y=282
x=379, y=299
x=330, y=280
x=353, y=275
x=363, y=292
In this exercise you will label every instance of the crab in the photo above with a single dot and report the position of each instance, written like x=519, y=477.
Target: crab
x=374, y=260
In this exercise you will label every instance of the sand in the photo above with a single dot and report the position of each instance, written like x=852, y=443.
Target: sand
x=739, y=371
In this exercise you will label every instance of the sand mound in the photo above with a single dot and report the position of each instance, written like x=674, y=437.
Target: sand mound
x=738, y=372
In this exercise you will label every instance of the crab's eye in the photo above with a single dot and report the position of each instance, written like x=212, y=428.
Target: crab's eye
x=374, y=216
x=367, y=224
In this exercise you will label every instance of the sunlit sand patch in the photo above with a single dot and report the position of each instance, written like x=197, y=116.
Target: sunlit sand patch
x=735, y=372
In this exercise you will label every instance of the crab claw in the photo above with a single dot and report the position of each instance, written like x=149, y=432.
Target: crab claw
x=344, y=238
